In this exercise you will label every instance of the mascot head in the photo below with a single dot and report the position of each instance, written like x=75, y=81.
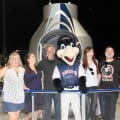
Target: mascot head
x=67, y=49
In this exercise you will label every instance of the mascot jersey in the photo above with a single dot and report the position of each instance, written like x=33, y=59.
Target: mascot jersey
x=69, y=74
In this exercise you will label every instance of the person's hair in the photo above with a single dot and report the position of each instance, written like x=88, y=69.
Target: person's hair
x=27, y=68
x=110, y=47
x=85, y=60
x=50, y=45
x=13, y=54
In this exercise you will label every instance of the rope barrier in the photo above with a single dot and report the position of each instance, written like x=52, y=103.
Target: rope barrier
x=76, y=91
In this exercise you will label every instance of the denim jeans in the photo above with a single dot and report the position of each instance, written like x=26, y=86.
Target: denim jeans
x=48, y=104
x=108, y=105
x=91, y=105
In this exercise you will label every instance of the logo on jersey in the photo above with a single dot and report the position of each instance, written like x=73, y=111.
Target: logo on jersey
x=107, y=72
x=67, y=72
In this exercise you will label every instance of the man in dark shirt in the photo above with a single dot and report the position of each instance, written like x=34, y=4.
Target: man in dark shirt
x=47, y=66
x=110, y=72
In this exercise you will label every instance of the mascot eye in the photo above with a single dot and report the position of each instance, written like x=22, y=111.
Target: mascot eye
x=62, y=46
x=72, y=44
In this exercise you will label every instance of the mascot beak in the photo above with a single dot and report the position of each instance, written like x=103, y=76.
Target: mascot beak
x=68, y=55
x=68, y=59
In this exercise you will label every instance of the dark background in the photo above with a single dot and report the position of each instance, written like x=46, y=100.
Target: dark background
x=100, y=18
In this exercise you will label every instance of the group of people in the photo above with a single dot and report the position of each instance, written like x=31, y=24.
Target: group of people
x=17, y=79
x=103, y=74
x=37, y=76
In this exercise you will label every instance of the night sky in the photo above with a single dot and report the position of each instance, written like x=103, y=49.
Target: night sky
x=100, y=18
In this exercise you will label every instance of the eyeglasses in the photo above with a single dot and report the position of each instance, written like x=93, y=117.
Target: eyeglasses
x=91, y=70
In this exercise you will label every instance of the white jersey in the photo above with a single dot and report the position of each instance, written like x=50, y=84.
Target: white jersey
x=13, y=90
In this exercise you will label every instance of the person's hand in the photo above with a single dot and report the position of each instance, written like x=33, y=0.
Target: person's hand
x=82, y=84
x=57, y=85
x=26, y=88
x=59, y=89
x=83, y=89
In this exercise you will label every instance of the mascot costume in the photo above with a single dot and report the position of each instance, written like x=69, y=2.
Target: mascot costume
x=68, y=75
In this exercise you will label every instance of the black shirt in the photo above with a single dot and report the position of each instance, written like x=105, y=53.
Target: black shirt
x=47, y=66
x=110, y=72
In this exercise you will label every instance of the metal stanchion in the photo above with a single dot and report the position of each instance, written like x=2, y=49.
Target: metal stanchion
x=33, y=115
x=83, y=107
x=83, y=97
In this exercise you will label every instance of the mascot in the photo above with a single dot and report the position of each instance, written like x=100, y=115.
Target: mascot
x=68, y=75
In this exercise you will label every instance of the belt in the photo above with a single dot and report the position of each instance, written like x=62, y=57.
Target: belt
x=69, y=87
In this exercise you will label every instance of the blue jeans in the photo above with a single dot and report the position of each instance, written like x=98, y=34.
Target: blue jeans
x=91, y=104
x=108, y=105
x=48, y=104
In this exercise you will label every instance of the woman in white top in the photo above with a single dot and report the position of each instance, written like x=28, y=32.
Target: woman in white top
x=90, y=66
x=13, y=89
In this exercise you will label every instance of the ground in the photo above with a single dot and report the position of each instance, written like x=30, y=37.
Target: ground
x=4, y=116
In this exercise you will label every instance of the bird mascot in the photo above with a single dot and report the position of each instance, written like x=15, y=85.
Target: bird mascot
x=68, y=75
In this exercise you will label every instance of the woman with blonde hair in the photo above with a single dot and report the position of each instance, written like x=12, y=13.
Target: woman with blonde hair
x=13, y=88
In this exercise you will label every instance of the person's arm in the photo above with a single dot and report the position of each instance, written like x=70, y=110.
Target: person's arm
x=39, y=66
x=98, y=73
x=118, y=67
x=99, y=76
x=57, y=80
x=25, y=87
x=81, y=71
x=82, y=79
x=3, y=72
